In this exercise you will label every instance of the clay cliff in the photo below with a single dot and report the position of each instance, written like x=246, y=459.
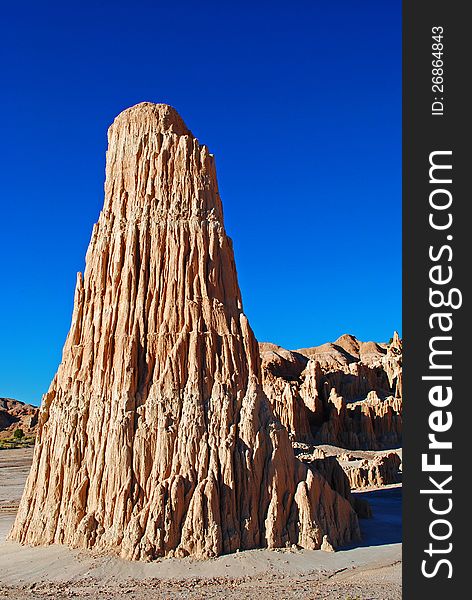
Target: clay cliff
x=347, y=393
x=156, y=437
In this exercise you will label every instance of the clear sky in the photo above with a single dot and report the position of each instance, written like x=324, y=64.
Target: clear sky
x=300, y=102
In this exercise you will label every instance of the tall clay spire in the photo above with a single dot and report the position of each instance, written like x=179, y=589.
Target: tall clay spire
x=155, y=436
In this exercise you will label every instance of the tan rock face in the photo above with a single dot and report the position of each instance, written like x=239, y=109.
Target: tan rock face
x=155, y=437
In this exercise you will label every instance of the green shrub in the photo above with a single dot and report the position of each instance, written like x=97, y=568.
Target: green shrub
x=18, y=434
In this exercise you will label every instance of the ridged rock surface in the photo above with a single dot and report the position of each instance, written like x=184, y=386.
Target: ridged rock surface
x=155, y=436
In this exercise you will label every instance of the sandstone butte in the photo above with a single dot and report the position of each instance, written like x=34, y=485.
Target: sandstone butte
x=155, y=437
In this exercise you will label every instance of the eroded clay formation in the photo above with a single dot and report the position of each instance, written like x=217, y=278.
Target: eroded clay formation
x=155, y=437
x=347, y=393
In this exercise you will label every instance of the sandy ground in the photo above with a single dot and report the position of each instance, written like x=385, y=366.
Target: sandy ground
x=370, y=571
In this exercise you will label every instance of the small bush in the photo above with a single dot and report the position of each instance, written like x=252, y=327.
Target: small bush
x=18, y=434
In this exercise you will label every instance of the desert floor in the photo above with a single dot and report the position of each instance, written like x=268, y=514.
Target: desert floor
x=370, y=571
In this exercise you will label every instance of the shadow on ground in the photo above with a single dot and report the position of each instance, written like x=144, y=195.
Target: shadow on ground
x=385, y=527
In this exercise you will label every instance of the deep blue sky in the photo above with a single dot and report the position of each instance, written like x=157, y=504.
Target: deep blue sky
x=299, y=101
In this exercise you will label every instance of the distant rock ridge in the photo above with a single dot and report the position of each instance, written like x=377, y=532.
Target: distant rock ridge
x=155, y=437
x=15, y=414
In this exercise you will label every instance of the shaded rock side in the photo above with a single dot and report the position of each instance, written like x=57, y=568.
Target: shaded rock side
x=155, y=437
